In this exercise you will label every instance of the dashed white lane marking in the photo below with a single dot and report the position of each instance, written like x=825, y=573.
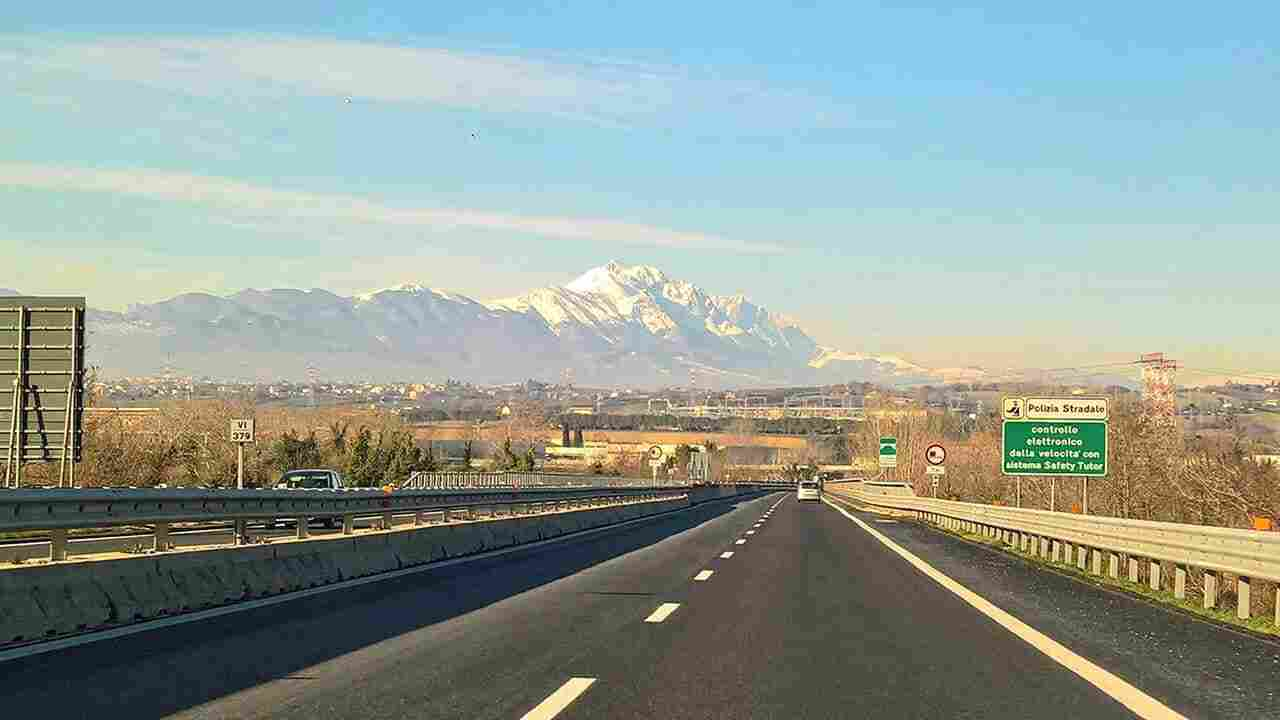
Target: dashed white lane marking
x=726, y=555
x=751, y=532
x=704, y=576
x=662, y=613
x=741, y=542
x=559, y=699
x=1142, y=704
x=887, y=522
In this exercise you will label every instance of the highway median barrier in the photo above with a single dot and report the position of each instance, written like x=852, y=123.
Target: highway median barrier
x=39, y=601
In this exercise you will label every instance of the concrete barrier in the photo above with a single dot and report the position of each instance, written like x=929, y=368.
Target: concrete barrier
x=42, y=601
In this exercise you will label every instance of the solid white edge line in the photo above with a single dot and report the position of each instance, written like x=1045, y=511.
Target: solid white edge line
x=662, y=613
x=48, y=646
x=704, y=575
x=560, y=699
x=726, y=555
x=1142, y=704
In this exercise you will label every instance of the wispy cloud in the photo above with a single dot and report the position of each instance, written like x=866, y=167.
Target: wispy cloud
x=271, y=204
x=597, y=90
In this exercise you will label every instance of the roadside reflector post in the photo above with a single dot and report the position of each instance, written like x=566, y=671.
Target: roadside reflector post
x=58, y=545
x=161, y=537
x=1244, y=603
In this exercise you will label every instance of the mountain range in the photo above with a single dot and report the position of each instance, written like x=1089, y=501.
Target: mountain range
x=613, y=325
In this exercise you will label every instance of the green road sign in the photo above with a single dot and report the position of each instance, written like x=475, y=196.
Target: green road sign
x=888, y=452
x=1054, y=447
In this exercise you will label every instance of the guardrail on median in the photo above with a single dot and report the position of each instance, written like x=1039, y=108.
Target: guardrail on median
x=1083, y=539
x=514, y=479
x=58, y=511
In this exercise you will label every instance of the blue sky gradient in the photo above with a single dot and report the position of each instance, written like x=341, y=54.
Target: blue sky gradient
x=1006, y=185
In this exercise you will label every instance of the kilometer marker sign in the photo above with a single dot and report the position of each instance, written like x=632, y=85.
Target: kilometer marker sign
x=1055, y=436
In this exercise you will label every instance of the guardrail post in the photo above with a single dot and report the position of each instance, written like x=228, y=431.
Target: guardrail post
x=1097, y=561
x=1113, y=566
x=242, y=532
x=1210, y=589
x=387, y=523
x=57, y=545
x=1082, y=555
x=1153, y=575
x=1133, y=570
x=417, y=518
x=1055, y=551
x=1243, y=601
x=162, y=537
x=1068, y=553
x=1179, y=582
x=348, y=524
x=304, y=531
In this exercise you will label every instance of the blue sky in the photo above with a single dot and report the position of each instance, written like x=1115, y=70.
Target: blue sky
x=1006, y=185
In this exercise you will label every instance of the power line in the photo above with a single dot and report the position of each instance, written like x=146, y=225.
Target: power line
x=1076, y=369
x=1242, y=374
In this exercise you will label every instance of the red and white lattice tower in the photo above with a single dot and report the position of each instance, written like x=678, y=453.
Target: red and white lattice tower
x=1159, y=399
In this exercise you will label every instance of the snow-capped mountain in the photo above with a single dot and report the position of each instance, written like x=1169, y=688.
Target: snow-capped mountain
x=615, y=324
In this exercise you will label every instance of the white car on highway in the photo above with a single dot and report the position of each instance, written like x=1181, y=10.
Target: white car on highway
x=808, y=490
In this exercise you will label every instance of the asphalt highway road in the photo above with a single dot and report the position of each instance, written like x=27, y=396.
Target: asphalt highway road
x=811, y=616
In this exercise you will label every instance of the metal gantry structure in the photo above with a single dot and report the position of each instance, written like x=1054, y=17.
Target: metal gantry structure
x=816, y=405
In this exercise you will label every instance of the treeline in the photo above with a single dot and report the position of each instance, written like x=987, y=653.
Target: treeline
x=186, y=444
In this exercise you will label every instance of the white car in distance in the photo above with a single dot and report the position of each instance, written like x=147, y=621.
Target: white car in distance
x=808, y=490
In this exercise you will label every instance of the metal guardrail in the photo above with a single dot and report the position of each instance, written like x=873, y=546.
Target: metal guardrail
x=59, y=511
x=1082, y=540
x=483, y=480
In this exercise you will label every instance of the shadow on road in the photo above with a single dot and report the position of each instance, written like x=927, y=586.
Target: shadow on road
x=165, y=671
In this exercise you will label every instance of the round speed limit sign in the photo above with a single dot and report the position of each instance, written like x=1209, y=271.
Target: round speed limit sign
x=935, y=454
